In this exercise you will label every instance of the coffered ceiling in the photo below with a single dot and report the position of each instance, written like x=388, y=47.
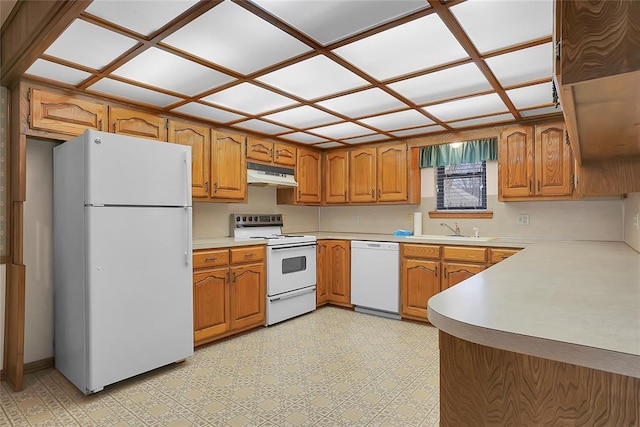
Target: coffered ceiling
x=326, y=73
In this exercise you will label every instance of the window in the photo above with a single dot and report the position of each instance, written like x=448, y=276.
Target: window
x=461, y=187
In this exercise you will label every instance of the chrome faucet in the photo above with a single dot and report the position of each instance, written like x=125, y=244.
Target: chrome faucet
x=456, y=231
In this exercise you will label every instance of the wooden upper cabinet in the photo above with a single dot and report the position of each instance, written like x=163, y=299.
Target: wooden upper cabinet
x=535, y=163
x=270, y=152
x=199, y=139
x=284, y=155
x=362, y=175
x=228, y=167
x=515, y=162
x=137, y=123
x=392, y=173
x=336, y=177
x=259, y=150
x=309, y=176
x=553, y=161
x=54, y=112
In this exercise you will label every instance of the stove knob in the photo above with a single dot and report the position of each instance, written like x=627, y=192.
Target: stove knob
x=244, y=218
x=255, y=218
x=237, y=219
x=250, y=218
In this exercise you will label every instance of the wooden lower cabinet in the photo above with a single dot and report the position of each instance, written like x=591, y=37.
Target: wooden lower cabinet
x=229, y=293
x=322, y=296
x=428, y=269
x=334, y=272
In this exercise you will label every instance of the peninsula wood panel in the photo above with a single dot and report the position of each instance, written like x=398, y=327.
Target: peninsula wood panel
x=137, y=123
x=482, y=385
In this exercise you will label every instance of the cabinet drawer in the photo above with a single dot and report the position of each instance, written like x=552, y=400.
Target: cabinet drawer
x=247, y=254
x=420, y=251
x=497, y=255
x=462, y=253
x=210, y=258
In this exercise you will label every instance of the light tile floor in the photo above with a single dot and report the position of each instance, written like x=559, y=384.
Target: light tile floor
x=332, y=367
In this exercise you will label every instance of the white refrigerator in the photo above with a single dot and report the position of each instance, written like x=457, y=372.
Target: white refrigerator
x=122, y=257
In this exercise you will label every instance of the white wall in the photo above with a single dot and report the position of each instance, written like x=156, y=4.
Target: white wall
x=632, y=220
x=591, y=219
x=38, y=251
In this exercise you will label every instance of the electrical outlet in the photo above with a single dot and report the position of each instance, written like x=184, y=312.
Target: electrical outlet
x=409, y=218
x=522, y=219
x=636, y=221
x=356, y=219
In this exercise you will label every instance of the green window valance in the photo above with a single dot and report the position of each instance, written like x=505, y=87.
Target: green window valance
x=453, y=154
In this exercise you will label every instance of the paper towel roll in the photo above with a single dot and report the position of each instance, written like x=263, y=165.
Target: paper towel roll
x=417, y=223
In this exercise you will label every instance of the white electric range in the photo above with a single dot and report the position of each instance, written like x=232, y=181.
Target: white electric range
x=291, y=264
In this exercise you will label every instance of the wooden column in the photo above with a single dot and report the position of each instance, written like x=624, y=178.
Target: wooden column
x=481, y=386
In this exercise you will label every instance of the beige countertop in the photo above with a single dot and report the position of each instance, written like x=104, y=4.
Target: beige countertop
x=574, y=302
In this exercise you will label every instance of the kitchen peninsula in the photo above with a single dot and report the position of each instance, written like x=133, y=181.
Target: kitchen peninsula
x=552, y=333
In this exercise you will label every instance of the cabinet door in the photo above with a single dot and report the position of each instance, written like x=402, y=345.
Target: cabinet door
x=248, y=295
x=199, y=139
x=322, y=295
x=339, y=271
x=515, y=162
x=137, y=123
x=392, y=173
x=55, y=112
x=336, y=171
x=553, y=161
x=420, y=281
x=308, y=175
x=362, y=175
x=454, y=273
x=210, y=303
x=284, y=155
x=259, y=150
x=228, y=167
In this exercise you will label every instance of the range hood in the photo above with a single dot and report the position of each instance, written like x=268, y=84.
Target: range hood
x=270, y=176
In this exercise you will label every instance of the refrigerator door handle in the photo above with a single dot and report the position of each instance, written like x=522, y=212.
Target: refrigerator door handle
x=187, y=176
x=186, y=236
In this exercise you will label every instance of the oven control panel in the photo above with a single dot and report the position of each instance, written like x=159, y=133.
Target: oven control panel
x=255, y=220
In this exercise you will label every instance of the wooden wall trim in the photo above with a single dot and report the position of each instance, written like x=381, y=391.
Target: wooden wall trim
x=32, y=27
x=486, y=386
x=13, y=361
x=35, y=366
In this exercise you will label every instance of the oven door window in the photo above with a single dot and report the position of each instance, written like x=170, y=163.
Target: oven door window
x=294, y=264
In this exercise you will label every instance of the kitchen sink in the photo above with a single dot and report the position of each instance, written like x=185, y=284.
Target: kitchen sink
x=451, y=238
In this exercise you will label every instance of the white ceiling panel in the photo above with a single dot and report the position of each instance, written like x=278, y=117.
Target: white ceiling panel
x=249, y=98
x=417, y=131
x=159, y=68
x=231, y=36
x=303, y=117
x=127, y=14
x=367, y=138
x=262, y=126
x=540, y=111
x=468, y=107
x=448, y=83
x=51, y=70
x=401, y=119
x=416, y=45
x=303, y=138
x=316, y=77
x=329, y=145
x=341, y=130
x=362, y=103
x=89, y=45
x=346, y=17
x=523, y=65
x=482, y=120
x=210, y=113
x=495, y=24
x=135, y=93
x=530, y=96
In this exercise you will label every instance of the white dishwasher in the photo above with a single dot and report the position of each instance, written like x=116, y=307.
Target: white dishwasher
x=375, y=272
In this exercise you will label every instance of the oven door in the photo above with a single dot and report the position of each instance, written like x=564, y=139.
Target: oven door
x=290, y=267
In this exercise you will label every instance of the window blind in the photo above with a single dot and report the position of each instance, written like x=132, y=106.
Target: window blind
x=462, y=186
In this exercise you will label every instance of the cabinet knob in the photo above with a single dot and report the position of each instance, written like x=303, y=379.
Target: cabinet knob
x=215, y=187
x=206, y=187
x=373, y=194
